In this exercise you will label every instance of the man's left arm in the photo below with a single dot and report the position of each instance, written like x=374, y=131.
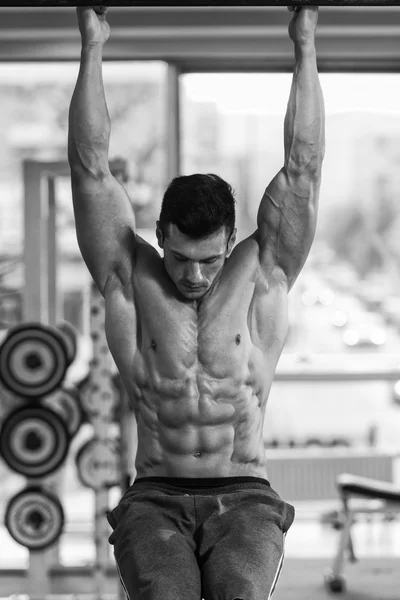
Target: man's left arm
x=287, y=214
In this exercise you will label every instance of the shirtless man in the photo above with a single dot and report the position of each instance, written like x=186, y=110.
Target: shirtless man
x=196, y=336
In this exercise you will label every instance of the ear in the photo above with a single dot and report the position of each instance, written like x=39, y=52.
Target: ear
x=231, y=241
x=160, y=235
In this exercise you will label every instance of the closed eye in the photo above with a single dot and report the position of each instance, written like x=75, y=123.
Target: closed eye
x=179, y=258
x=209, y=261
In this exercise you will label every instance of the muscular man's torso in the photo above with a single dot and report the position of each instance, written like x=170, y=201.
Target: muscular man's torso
x=199, y=373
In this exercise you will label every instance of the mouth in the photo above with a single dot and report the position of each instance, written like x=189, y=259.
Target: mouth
x=192, y=288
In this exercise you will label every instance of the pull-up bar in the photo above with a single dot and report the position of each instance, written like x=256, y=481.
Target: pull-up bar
x=200, y=3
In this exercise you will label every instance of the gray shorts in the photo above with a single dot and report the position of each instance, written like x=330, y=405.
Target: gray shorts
x=187, y=539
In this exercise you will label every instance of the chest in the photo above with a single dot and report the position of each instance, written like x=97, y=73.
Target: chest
x=205, y=333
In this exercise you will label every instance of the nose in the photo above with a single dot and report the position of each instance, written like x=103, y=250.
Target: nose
x=193, y=274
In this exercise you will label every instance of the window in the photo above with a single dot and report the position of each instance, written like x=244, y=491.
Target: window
x=35, y=100
x=345, y=306
x=347, y=297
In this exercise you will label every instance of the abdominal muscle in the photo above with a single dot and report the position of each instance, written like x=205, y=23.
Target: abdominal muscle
x=197, y=426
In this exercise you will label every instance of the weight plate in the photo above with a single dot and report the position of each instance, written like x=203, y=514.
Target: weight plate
x=34, y=441
x=34, y=518
x=33, y=359
x=70, y=335
x=88, y=399
x=98, y=396
x=98, y=464
x=66, y=403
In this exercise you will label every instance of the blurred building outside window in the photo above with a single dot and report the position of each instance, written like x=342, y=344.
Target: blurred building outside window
x=35, y=100
x=345, y=306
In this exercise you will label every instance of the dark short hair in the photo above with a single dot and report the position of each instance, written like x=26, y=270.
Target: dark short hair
x=199, y=205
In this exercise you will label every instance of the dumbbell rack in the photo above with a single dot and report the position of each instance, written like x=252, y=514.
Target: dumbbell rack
x=41, y=304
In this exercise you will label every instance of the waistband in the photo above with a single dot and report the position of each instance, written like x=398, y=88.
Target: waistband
x=201, y=482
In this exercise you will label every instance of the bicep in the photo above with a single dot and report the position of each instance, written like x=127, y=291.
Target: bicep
x=286, y=222
x=105, y=226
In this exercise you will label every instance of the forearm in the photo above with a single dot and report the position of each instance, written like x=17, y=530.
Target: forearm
x=89, y=122
x=304, y=130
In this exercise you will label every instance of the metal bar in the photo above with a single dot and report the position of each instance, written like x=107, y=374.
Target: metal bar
x=55, y=482
x=35, y=290
x=52, y=293
x=173, y=123
x=313, y=375
x=216, y=3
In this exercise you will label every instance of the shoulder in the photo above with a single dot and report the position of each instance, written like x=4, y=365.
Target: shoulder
x=246, y=260
x=146, y=254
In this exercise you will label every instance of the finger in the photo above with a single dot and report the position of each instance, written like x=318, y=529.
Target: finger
x=101, y=10
x=312, y=11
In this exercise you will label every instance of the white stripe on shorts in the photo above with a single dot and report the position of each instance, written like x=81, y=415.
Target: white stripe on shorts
x=278, y=571
x=122, y=581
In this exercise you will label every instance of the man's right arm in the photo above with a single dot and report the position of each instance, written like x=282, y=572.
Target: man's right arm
x=104, y=216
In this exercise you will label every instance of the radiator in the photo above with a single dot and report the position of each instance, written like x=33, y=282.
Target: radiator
x=297, y=475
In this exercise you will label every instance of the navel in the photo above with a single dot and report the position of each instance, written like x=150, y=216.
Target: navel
x=197, y=455
x=153, y=345
x=238, y=339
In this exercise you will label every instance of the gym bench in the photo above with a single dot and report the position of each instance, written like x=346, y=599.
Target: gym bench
x=353, y=487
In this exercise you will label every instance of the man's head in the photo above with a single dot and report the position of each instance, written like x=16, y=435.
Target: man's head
x=196, y=230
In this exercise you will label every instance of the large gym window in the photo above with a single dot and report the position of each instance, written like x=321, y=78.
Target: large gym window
x=35, y=99
x=347, y=298
x=345, y=305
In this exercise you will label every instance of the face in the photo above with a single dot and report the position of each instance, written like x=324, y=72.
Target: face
x=194, y=264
